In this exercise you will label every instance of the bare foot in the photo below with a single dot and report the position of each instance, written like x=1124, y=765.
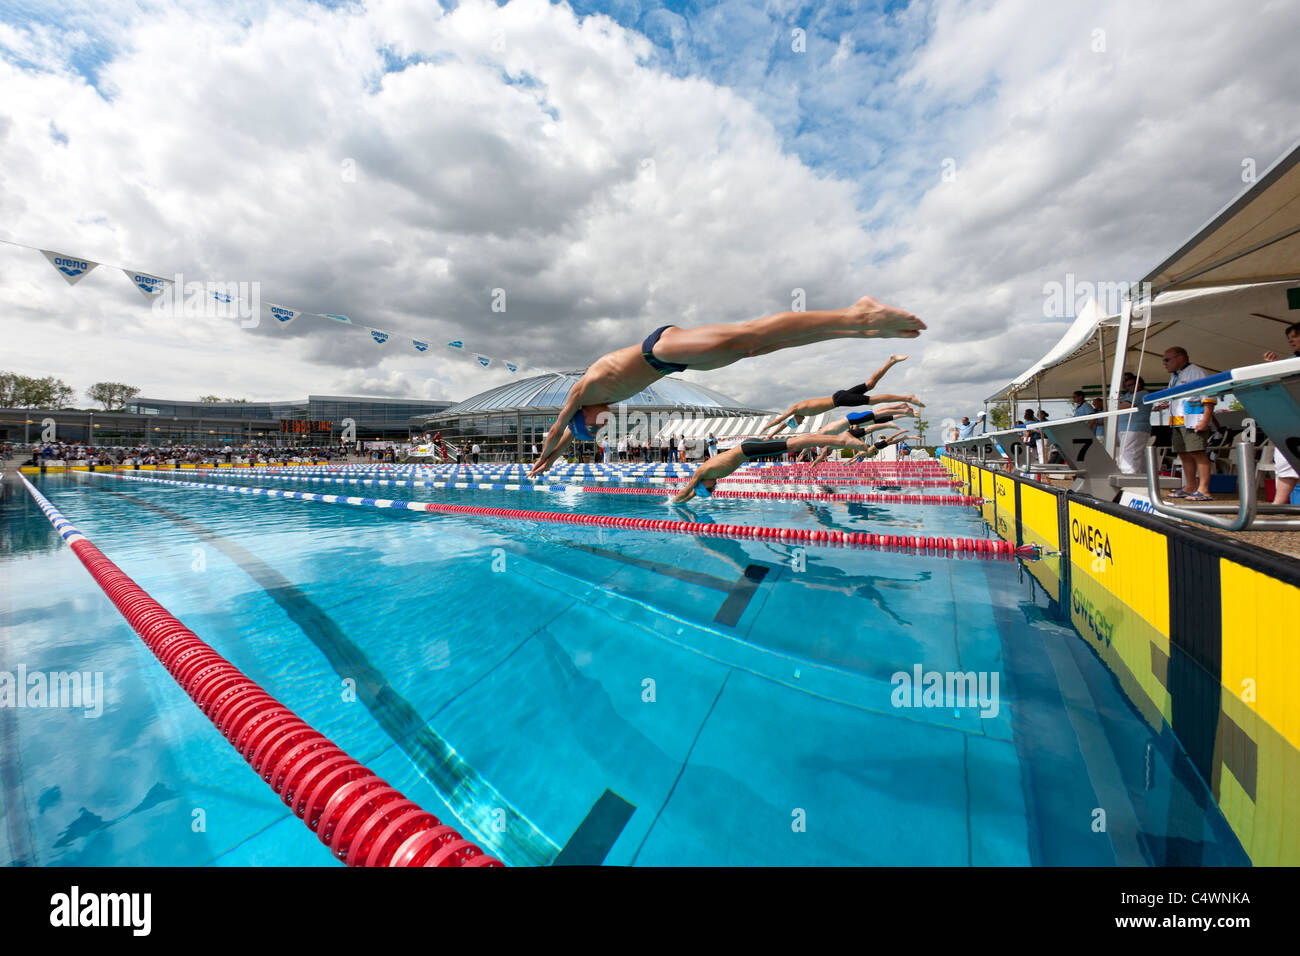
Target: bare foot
x=885, y=321
x=895, y=359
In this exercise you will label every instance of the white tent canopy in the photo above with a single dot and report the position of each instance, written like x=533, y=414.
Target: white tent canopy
x=1255, y=238
x=1221, y=328
x=1079, y=338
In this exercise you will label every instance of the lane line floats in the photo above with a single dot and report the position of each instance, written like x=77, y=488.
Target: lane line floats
x=362, y=820
x=792, y=495
x=521, y=484
x=808, y=496
x=958, y=547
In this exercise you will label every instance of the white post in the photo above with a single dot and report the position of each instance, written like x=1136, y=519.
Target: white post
x=1117, y=373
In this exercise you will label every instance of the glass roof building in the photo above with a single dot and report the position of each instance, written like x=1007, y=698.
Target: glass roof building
x=509, y=419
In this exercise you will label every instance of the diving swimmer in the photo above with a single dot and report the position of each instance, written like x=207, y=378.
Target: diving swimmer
x=856, y=396
x=719, y=466
x=873, y=451
x=623, y=373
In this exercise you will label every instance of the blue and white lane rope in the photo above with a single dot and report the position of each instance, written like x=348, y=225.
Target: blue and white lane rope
x=954, y=547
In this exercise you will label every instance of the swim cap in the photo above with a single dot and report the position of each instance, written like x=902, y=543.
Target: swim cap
x=578, y=425
x=702, y=491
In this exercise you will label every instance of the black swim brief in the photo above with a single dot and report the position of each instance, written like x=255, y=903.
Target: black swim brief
x=849, y=397
x=753, y=448
x=648, y=353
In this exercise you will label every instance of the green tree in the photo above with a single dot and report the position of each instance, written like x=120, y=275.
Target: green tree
x=1000, y=416
x=63, y=393
x=9, y=389
x=112, y=395
x=25, y=391
x=922, y=426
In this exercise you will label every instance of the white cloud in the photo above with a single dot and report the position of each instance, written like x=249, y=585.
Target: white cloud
x=555, y=158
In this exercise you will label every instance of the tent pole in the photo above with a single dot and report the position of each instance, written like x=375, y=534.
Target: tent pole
x=1117, y=376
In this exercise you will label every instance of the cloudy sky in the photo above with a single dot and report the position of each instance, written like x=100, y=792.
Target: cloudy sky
x=610, y=167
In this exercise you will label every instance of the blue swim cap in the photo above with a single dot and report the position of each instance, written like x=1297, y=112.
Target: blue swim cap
x=856, y=417
x=792, y=422
x=702, y=491
x=578, y=425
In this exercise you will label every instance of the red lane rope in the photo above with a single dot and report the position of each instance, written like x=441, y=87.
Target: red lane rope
x=362, y=820
x=957, y=547
x=806, y=496
x=979, y=547
x=819, y=478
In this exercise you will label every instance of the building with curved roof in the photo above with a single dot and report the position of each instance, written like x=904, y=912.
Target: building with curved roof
x=508, y=419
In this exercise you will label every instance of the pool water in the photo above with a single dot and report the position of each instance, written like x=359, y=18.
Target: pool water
x=575, y=695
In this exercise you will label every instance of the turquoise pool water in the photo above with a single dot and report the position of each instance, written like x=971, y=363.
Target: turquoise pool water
x=572, y=694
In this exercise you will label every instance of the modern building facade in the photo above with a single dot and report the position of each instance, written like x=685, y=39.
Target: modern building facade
x=507, y=420
x=319, y=420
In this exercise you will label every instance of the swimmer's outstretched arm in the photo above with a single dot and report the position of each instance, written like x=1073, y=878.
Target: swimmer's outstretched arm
x=543, y=463
x=809, y=406
x=559, y=437
x=719, y=466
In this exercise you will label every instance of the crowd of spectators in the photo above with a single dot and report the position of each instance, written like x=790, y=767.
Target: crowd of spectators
x=45, y=452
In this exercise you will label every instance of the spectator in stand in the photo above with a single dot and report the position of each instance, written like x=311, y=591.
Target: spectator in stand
x=967, y=428
x=1081, y=406
x=1098, y=428
x=1031, y=436
x=1195, y=415
x=1134, y=432
x=1284, y=475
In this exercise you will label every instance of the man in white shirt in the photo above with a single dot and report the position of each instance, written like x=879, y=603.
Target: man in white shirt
x=474, y=451
x=1195, y=415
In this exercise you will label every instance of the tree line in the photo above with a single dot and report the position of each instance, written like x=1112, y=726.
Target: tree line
x=27, y=391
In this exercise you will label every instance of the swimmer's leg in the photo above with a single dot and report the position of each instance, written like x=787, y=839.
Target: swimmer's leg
x=716, y=346
x=880, y=372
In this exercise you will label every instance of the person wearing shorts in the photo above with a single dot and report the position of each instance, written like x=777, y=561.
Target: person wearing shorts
x=1189, y=439
x=1135, y=432
x=1284, y=474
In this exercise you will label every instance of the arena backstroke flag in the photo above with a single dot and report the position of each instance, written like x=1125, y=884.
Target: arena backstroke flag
x=75, y=268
